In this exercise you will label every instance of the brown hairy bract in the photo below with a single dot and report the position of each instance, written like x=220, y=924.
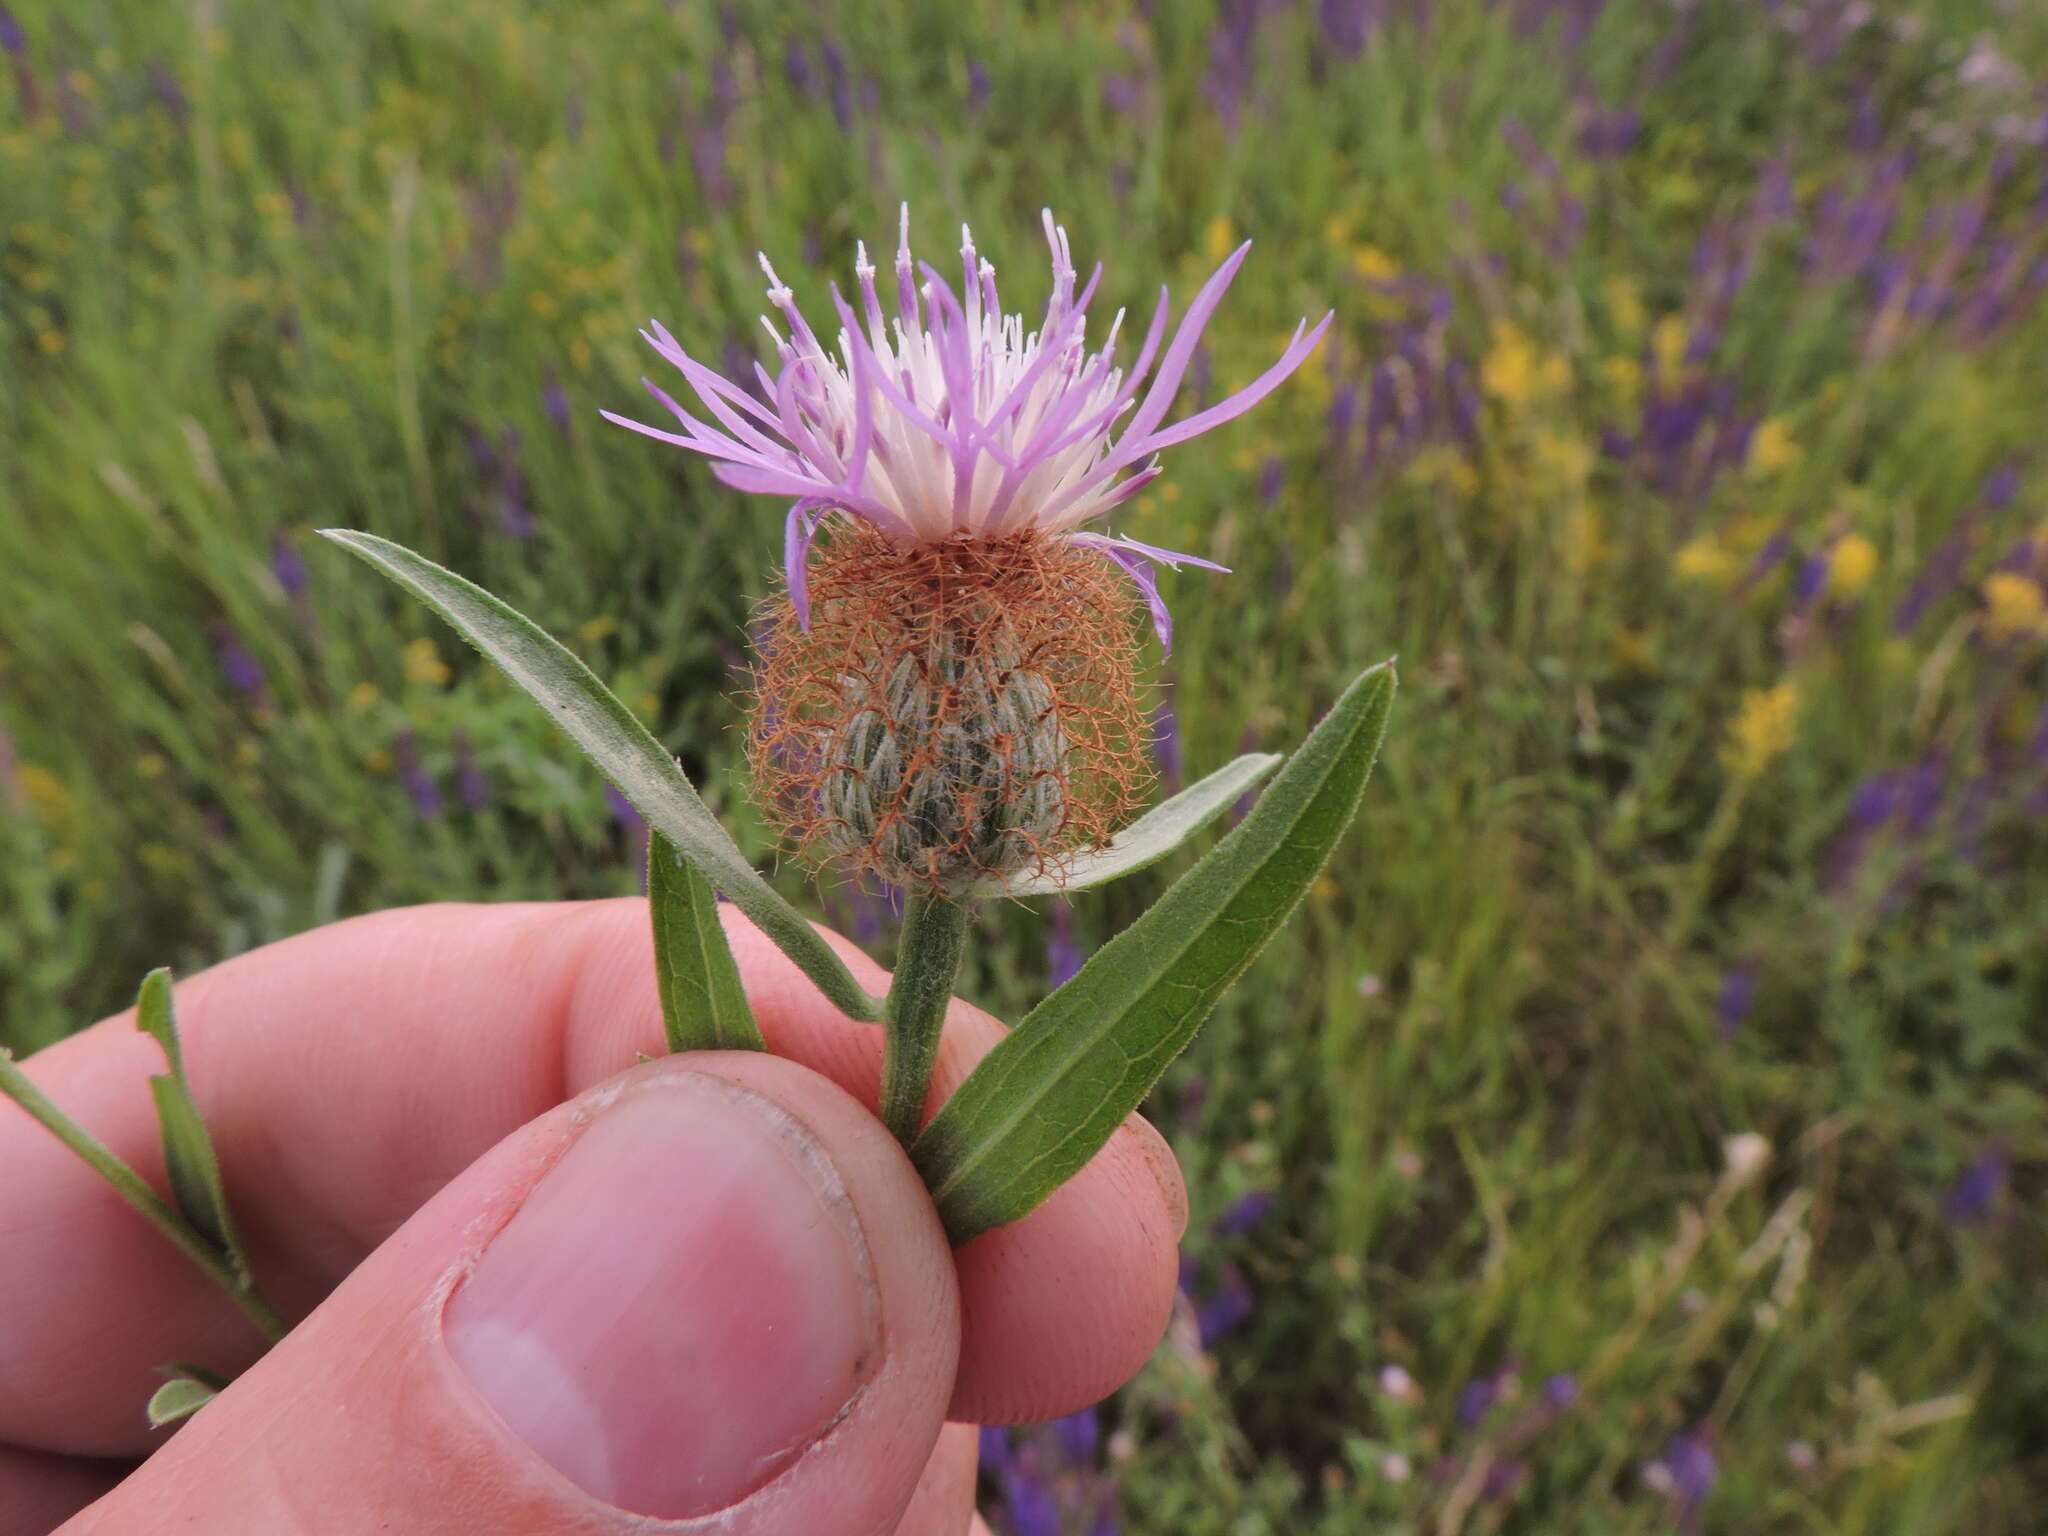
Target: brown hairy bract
x=956, y=711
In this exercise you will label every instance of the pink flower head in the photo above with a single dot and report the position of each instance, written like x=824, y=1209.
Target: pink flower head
x=951, y=420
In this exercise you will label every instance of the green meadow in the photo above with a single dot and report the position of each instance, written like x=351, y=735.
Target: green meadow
x=1643, y=1125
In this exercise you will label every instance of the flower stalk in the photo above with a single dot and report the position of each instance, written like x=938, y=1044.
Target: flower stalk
x=927, y=963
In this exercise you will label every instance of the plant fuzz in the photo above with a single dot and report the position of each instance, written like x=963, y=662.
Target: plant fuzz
x=956, y=712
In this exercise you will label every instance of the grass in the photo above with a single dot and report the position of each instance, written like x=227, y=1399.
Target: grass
x=1640, y=446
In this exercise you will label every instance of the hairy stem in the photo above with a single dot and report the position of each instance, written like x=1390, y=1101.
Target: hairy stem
x=131, y=1187
x=928, y=960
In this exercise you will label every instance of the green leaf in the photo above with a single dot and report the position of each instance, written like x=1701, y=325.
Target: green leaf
x=620, y=745
x=1048, y=1096
x=189, y=1158
x=703, y=1006
x=1152, y=836
x=182, y=1396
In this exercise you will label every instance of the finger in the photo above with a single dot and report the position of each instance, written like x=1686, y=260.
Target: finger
x=40, y=1491
x=943, y=1504
x=713, y=1290
x=351, y=1072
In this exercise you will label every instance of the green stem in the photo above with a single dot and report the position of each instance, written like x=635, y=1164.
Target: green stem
x=130, y=1186
x=927, y=961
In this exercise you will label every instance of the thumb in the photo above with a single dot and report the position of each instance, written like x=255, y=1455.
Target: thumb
x=712, y=1287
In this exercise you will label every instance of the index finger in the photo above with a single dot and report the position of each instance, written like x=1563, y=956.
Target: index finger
x=349, y=1073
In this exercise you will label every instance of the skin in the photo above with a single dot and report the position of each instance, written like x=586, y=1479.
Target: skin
x=384, y=1093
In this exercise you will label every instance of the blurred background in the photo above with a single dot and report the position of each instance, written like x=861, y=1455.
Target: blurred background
x=1642, y=1128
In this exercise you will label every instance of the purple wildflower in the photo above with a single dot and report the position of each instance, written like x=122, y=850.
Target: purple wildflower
x=1123, y=94
x=796, y=64
x=1738, y=993
x=1272, y=479
x=1561, y=1391
x=1689, y=1458
x=287, y=566
x=471, y=787
x=1812, y=578
x=13, y=41
x=554, y=400
x=1767, y=559
x=1194, y=1095
x=874, y=911
x=979, y=87
x=1062, y=954
x=1503, y=1478
x=1974, y=1197
x=995, y=1449
x=1476, y=1399
x=1030, y=1505
x=420, y=787
x=1078, y=1435
x=242, y=671
x=837, y=84
x=168, y=91
x=1244, y=1213
x=1347, y=23
x=1873, y=804
x=1608, y=132
x=1920, y=800
x=627, y=818
x=953, y=419
x=1247, y=742
x=1226, y=1310
x=11, y=793
x=1166, y=750
x=1874, y=801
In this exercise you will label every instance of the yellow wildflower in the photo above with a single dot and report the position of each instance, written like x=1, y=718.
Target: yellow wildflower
x=1763, y=729
x=46, y=793
x=1568, y=459
x=1851, y=565
x=1220, y=239
x=1667, y=345
x=1703, y=559
x=1374, y=265
x=361, y=697
x=1635, y=649
x=1440, y=466
x=598, y=629
x=1585, y=540
x=2013, y=606
x=423, y=664
x=1509, y=370
x=1771, y=449
x=1624, y=303
x=1625, y=379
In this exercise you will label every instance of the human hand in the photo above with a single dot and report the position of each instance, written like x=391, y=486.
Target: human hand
x=544, y=1289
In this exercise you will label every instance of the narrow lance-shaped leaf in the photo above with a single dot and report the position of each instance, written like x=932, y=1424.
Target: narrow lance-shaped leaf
x=1151, y=837
x=1048, y=1096
x=189, y=1159
x=202, y=1249
x=703, y=1006
x=619, y=744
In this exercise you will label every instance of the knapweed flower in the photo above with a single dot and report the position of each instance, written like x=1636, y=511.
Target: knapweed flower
x=947, y=689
